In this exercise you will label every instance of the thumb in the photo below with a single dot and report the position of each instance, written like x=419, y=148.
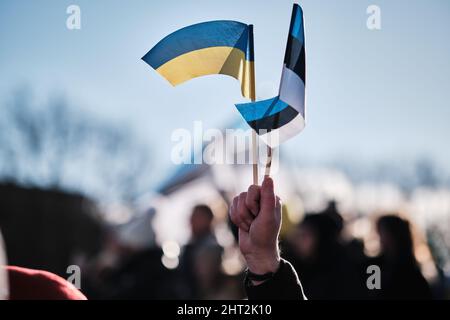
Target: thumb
x=267, y=202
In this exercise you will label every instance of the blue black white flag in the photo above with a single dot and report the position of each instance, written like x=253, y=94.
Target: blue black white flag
x=281, y=117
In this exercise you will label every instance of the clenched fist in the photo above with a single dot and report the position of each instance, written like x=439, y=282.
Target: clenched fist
x=257, y=214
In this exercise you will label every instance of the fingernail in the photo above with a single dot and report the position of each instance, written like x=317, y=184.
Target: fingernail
x=268, y=182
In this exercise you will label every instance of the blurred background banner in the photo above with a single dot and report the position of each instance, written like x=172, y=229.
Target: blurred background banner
x=86, y=139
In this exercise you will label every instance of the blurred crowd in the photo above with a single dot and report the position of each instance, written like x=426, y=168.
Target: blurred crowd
x=139, y=270
x=330, y=263
x=331, y=268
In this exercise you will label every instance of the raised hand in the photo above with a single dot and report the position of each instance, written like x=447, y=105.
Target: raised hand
x=257, y=214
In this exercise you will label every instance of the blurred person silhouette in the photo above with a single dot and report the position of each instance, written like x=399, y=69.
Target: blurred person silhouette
x=326, y=264
x=202, y=257
x=140, y=273
x=401, y=277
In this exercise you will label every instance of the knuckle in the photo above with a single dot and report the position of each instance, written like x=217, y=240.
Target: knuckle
x=249, y=202
x=242, y=202
x=234, y=218
x=234, y=204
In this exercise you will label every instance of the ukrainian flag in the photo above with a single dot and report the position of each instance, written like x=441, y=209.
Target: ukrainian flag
x=214, y=47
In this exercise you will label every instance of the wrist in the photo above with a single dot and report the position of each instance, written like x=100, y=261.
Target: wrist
x=263, y=263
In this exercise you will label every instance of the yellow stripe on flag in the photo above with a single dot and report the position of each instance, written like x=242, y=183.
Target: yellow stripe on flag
x=212, y=60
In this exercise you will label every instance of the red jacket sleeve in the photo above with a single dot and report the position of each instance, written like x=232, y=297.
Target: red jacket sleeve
x=29, y=284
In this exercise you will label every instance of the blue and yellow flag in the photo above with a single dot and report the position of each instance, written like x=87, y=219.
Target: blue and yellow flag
x=215, y=47
x=281, y=117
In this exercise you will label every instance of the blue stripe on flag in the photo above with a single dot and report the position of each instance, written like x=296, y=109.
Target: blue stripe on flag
x=257, y=110
x=222, y=33
x=297, y=23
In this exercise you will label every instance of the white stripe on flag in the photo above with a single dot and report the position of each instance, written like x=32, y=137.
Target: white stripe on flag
x=278, y=136
x=292, y=90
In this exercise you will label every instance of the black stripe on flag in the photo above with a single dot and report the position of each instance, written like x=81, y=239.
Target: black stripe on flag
x=295, y=57
x=274, y=121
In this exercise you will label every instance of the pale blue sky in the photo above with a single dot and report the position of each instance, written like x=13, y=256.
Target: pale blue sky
x=371, y=95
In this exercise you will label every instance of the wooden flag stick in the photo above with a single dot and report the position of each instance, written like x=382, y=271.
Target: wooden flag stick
x=253, y=99
x=268, y=161
x=255, y=157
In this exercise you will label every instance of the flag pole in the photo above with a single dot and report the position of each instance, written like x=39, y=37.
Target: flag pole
x=253, y=99
x=254, y=158
x=268, y=161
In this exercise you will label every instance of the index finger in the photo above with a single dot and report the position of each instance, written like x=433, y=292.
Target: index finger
x=252, y=199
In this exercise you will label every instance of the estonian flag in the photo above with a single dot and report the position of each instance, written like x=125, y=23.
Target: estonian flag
x=215, y=47
x=279, y=118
